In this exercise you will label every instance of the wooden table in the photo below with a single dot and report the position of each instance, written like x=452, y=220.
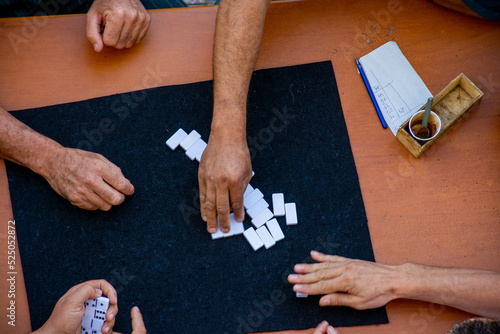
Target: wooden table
x=44, y=61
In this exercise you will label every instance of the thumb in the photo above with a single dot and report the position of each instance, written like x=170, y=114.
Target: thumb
x=94, y=36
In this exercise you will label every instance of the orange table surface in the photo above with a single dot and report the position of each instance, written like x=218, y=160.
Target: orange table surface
x=45, y=61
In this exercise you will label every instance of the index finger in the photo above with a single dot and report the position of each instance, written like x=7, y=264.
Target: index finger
x=112, y=30
x=138, y=326
x=320, y=257
x=113, y=176
x=110, y=292
x=236, y=197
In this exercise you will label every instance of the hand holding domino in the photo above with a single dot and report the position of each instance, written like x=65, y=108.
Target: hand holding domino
x=70, y=308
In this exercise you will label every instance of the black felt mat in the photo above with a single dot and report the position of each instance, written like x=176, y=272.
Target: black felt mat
x=154, y=248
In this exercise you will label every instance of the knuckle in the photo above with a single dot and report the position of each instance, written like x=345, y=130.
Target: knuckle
x=209, y=205
x=220, y=179
x=117, y=199
x=223, y=209
x=237, y=205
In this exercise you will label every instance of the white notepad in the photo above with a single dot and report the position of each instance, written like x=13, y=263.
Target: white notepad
x=398, y=89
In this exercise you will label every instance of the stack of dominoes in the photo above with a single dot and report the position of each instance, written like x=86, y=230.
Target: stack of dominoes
x=95, y=315
x=267, y=229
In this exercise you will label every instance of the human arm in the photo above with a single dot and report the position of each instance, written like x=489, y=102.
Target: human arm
x=123, y=23
x=225, y=168
x=66, y=318
x=86, y=179
x=363, y=285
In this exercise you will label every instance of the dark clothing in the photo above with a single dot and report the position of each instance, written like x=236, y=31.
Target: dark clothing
x=14, y=8
x=489, y=9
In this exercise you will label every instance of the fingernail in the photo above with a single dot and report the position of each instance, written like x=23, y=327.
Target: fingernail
x=137, y=307
x=106, y=329
x=225, y=230
x=299, y=266
x=292, y=277
x=204, y=218
x=325, y=302
x=99, y=292
x=111, y=316
x=313, y=252
x=212, y=230
x=297, y=287
x=332, y=330
x=96, y=46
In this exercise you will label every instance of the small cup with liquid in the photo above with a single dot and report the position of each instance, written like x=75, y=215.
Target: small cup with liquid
x=415, y=123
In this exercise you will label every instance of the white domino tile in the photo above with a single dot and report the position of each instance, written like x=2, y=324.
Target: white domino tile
x=301, y=295
x=190, y=140
x=102, y=304
x=174, y=141
x=248, y=190
x=257, y=208
x=275, y=230
x=238, y=228
x=291, y=214
x=262, y=218
x=196, y=149
x=95, y=315
x=217, y=235
x=266, y=237
x=200, y=153
x=278, y=205
x=253, y=239
x=252, y=198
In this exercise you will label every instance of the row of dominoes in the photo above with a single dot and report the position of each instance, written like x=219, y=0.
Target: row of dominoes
x=256, y=206
x=95, y=315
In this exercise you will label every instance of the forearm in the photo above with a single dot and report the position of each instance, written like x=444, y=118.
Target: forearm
x=24, y=146
x=474, y=291
x=237, y=40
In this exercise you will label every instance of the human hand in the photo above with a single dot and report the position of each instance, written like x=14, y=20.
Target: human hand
x=66, y=318
x=346, y=282
x=137, y=322
x=88, y=180
x=224, y=173
x=123, y=22
x=325, y=328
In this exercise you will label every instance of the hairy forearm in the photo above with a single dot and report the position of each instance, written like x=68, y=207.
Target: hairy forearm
x=24, y=146
x=474, y=291
x=237, y=40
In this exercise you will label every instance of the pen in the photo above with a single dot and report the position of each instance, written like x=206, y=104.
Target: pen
x=368, y=88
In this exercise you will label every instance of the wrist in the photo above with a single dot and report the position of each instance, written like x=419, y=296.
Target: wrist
x=407, y=282
x=43, y=162
x=229, y=124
